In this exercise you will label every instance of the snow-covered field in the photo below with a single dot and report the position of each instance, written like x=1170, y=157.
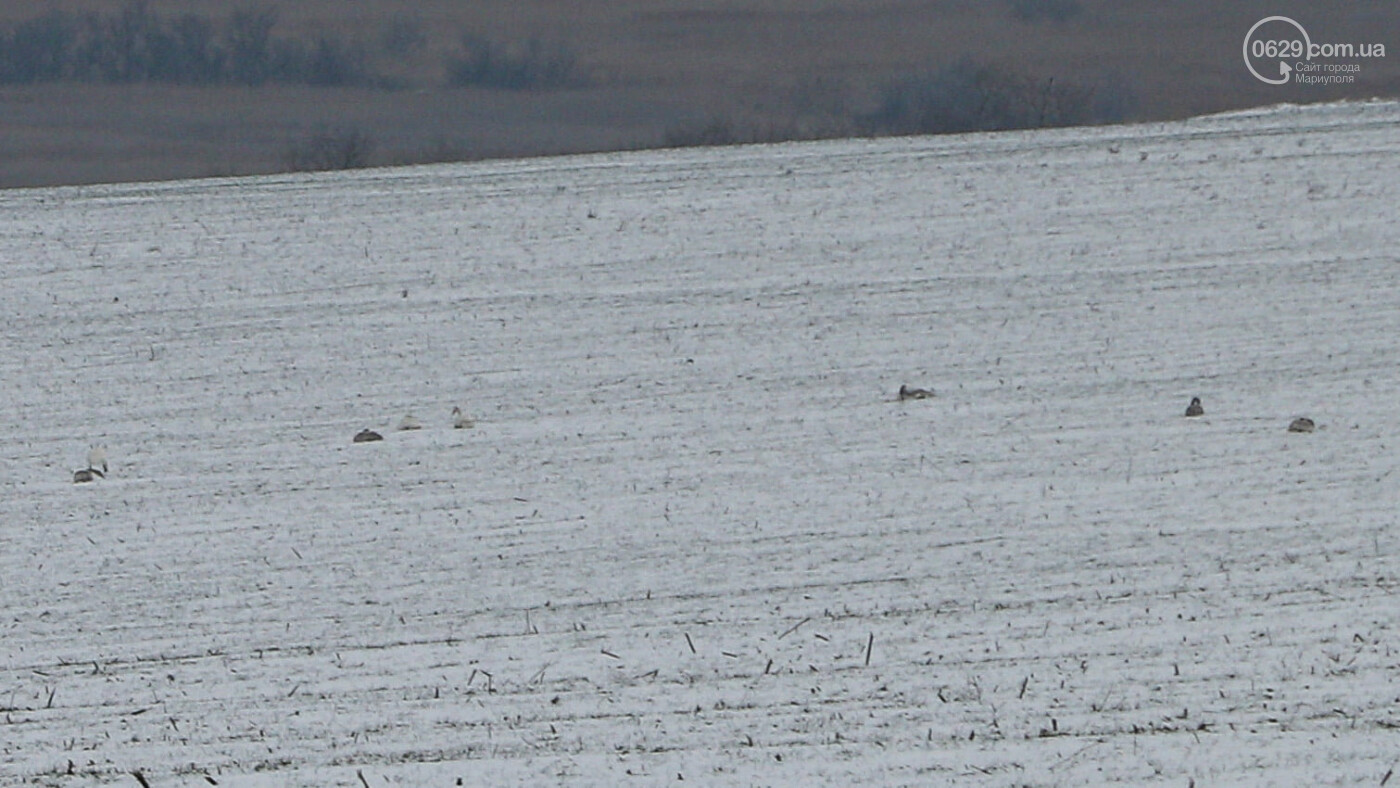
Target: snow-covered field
x=693, y=537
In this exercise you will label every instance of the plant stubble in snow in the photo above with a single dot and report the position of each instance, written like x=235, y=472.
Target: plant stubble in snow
x=692, y=534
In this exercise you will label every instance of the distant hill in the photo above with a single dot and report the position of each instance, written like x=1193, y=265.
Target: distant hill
x=96, y=91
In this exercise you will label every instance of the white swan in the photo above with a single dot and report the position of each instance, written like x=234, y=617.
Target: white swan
x=97, y=458
x=906, y=392
x=460, y=420
x=410, y=422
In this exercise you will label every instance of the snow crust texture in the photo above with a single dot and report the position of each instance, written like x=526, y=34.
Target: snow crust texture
x=694, y=536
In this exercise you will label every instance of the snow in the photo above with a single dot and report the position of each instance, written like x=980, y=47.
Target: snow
x=693, y=536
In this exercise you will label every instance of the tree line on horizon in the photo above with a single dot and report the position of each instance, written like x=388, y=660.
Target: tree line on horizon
x=135, y=44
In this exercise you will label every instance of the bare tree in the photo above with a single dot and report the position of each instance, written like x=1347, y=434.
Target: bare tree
x=327, y=149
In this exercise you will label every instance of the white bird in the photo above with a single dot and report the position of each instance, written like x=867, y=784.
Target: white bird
x=460, y=420
x=410, y=422
x=97, y=458
x=906, y=392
